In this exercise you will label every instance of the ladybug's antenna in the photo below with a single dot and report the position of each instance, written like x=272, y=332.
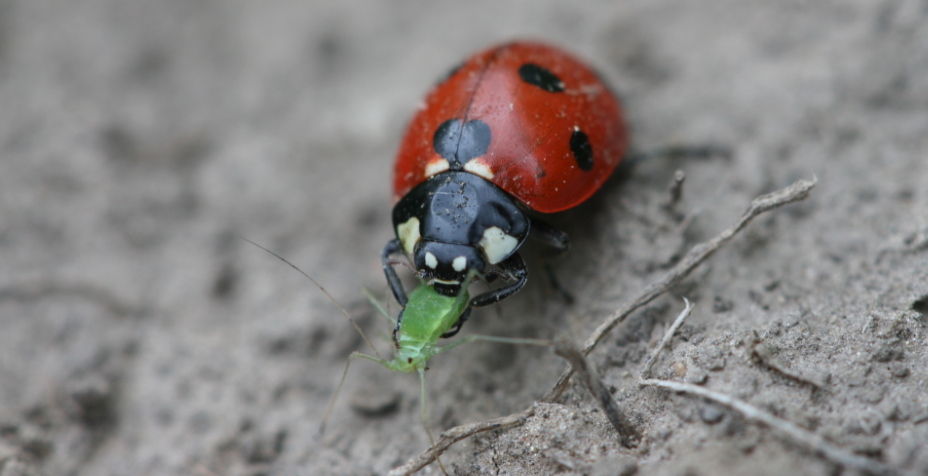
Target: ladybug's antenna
x=339, y=306
x=404, y=264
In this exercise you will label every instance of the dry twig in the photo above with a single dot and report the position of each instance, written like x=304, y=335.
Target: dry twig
x=649, y=362
x=458, y=433
x=796, y=192
x=565, y=347
x=798, y=435
x=766, y=357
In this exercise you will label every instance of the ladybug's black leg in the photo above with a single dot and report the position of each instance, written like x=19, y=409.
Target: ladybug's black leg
x=393, y=246
x=556, y=285
x=512, y=266
x=555, y=239
x=396, y=328
x=493, y=275
x=457, y=325
x=558, y=243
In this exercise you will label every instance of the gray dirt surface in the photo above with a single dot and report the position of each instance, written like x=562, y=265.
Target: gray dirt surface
x=139, y=140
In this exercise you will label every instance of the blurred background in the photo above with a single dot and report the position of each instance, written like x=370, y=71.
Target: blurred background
x=140, y=140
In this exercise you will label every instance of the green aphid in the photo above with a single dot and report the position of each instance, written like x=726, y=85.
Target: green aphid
x=426, y=317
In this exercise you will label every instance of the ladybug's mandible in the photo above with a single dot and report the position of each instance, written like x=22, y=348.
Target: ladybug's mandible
x=517, y=127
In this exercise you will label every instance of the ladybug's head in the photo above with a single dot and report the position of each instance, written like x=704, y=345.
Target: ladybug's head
x=446, y=265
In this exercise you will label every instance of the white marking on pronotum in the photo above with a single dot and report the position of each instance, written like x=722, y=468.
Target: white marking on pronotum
x=459, y=263
x=479, y=167
x=442, y=281
x=497, y=245
x=408, y=234
x=436, y=166
x=430, y=260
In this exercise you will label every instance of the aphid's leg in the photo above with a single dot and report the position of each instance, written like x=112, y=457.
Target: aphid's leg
x=354, y=355
x=513, y=266
x=424, y=416
x=457, y=325
x=502, y=340
x=558, y=243
x=379, y=307
x=393, y=247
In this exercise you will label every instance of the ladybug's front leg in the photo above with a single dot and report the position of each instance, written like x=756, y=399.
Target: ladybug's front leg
x=393, y=247
x=512, y=266
x=457, y=325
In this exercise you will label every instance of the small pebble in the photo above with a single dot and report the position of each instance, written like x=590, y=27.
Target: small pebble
x=696, y=376
x=898, y=370
x=711, y=414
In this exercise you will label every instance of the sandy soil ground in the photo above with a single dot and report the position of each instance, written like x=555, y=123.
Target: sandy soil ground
x=139, y=335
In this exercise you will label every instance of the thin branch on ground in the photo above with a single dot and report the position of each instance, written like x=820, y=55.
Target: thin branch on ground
x=798, y=191
x=456, y=434
x=676, y=190
x=566, y=348
x=766, y=357
x=796, y=434
x=649, y=362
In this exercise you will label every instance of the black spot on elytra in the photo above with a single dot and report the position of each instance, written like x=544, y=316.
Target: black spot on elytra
x=541, y=77
x=583, y=151
x=458, y=142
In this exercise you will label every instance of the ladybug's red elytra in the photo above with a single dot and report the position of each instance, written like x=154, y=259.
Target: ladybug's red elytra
x=520, y=126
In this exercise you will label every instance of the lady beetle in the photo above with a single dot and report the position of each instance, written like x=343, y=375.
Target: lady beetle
x=517, y=127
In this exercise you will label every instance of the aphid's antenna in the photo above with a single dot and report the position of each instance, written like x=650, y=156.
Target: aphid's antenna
x=378, y=306
x=393, y=262
x=339, y=306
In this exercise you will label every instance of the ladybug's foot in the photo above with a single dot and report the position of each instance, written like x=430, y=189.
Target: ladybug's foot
x=457, y=325
x=493, y=275
x=512, y=267
x=558, y=244
x=556, y=285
